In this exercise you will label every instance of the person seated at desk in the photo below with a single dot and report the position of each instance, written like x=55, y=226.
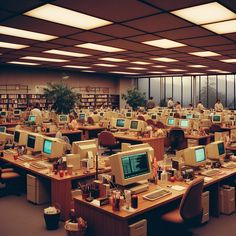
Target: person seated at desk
x=218, y=106
x=151, y=103
x=73, y=123
x=170, y=103
x=190, y=106
x=200, y=106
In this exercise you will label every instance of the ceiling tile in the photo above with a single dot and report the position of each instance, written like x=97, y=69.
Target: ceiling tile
x=231, y=36
x=65, y=41
x=143, y=38
x=116, y=11
x=158, y=23
x=90, y=37
x=11, y=39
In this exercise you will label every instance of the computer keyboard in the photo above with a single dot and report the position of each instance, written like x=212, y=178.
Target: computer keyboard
x=229, y=165
x=211, y=172
x=26, y=158
x=156, y=194
x=38, y=165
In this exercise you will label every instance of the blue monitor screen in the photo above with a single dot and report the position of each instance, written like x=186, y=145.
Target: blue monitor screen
x=135, y=165
x=47, y=146
x=63, y=117
x=170, y=121
x=200, y=155
x=120, y=123
x=31, y=141
x=221, y=148
x=184, y=123
x=189, y=116
x=81, y=116
x=32, y=118
x=134, y=124
x=216, y=118
x=3, y=129
x=3, y=113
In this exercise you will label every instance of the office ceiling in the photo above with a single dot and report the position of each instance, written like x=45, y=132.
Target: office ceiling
x=128, y=24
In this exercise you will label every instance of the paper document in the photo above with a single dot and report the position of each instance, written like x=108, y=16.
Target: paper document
x=178, y=187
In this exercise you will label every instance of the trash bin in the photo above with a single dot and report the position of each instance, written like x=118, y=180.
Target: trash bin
x=72, y=229
x=52, y=220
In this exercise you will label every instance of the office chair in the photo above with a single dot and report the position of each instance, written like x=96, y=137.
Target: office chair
x=188, y=214
x=10, y=179
x=151, y=122
x=176, y=115
x=215, y=128
x=140, y=118
x=107, y=139
x=176, y=139
x=90, y=120
x=160, y=125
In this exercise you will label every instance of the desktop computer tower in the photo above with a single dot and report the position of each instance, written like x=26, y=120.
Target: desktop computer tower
x=138, y=229
x=36, y=190
x=205, y=205
x=227, y=200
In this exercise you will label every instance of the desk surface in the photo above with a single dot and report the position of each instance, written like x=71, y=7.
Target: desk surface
x=91, y=127
x=135, y=137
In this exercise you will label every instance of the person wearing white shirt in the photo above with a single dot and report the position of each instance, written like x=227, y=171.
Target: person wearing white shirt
x=218, y=106
x=200, y=106
x=38, y=113
x=170, y=103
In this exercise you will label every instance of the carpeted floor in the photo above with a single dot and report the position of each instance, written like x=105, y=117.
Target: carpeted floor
x=21, y=218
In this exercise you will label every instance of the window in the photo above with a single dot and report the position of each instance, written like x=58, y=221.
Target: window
x=155, y=89
x=177, y=96
x=187, y=90
x=211, y=90
x=230, y=91
x=143, y=86
x=221, y=89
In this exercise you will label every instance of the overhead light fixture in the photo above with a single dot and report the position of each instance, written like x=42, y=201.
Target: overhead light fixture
x=23, y=63
x=233, y=60
x=99, y=47
x=224, y=72
x=136, y=68
x=213, y=70
x=164, y=43
x=66, y=53
x=124, y=73
x=204, y=54
x=164, y=59
x=156, y=72
x=175, y=70
x=196, y=66
x=112, y=59
x=105, y=65
x=225, y=27
x=205, y=13
x=196, y=73
x=141, y=62
x=159, y=66
x=25, y=34
x=77, y=67
x=43, y=59
x=68, y=17
x=89, y=71
x=12, y=45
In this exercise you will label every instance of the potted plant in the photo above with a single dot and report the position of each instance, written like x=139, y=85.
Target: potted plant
x=62, y=97
x=135, y=98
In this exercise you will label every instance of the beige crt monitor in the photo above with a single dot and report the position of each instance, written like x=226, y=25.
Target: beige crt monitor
x=20, y=137
x=34, y=142
x=215, y=150
x=5, y=137
x=120, y=123
x=130, y=167
x=137, y=125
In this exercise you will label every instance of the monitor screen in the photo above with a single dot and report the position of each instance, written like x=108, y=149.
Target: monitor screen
x=120, y=123
x=63, y=118
x=81, y=116
x=171, y=114
x=221, y=148
x=3, y=113
x=200, y=155
x=32, y=118
x=231, y=118
x=135, y=165
x=128, y=114
x=216, y=118
x=189, y=116
x=47, y=146
x=154, y=117
x=134, y=124
x=196, y=116
x=16, y=136
x=16, y=112
x=3, y=129
x=101, y=113
x=184, y=123
x=170, y=121
x=31, y=141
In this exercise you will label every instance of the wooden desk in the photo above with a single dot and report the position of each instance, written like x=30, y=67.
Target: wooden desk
x=11, y=124
x=60, y=186
x=90, y=131
x=200, y=139
x=157, y=143
x=104, y=221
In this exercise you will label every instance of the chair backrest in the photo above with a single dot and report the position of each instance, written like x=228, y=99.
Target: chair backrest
x=90, y=120
x=150, y=122
x=177, y=138
x=160, y=125
x=215, y=128
x=176, y=115
x=191, y=203
x=106, y=138
x=140, y=118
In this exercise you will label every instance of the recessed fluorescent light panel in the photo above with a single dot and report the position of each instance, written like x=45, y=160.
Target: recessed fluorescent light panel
x=233, y=60
x=141, y=62
x=25, y=34
x=68, y=17
x=205, y=54
x=89, y=71
x=112, y=59
x=44, y=59
x=196, y=73
x=105, y=65
x=123, y=73
x=197, y=66
x=99, y=47
x=156, y=72
x=66, y=53
x=136, y=68
x=12, y=45
x=206, y=13
x=225, y=27
x=175, y=70
x=164, y=59
x=23, y=63
x=164, y=43
x=77, y=67
x=159, y=66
